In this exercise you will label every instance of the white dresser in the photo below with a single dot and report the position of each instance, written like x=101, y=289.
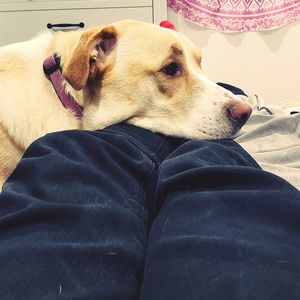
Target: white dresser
x=22, y=19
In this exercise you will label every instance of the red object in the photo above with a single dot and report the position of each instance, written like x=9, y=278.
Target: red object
x=167, y=24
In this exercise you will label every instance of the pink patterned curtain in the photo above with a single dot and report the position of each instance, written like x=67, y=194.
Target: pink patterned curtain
x=238, y=15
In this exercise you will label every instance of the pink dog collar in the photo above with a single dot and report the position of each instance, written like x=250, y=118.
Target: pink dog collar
x=53, y=72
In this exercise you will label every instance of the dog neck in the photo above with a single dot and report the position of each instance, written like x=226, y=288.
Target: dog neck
x=53, y=72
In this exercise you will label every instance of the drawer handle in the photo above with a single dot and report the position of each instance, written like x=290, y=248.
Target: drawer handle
x=64, y=25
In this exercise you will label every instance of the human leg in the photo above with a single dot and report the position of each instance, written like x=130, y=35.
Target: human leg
x=74, y=217
x=225, y=229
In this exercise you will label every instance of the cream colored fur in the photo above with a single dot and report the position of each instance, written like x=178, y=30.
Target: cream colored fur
x=117, y=73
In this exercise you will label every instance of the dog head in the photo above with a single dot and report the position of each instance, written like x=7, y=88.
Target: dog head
x=151, y=77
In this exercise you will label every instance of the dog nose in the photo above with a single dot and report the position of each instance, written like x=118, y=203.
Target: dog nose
x=240, y=112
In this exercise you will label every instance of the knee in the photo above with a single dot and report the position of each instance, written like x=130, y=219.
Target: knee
x=210, y=153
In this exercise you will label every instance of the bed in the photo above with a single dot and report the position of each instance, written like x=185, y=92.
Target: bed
x=272, y=137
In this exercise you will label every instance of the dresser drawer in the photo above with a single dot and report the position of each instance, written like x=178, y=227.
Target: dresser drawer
x=64, y=4
x=18, y=26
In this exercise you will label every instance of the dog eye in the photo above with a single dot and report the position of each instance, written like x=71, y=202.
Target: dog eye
x=173, y=69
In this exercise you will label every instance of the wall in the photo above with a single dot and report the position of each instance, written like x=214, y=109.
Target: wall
x=265, y=63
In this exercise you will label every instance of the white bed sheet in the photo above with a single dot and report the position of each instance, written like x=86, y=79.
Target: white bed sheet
x=272, y=137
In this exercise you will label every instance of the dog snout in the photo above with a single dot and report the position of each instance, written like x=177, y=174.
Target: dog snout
x=239, y=112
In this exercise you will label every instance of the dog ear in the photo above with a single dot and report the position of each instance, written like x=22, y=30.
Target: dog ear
x=89, y=57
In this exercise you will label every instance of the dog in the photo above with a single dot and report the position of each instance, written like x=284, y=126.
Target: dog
x=131, y=71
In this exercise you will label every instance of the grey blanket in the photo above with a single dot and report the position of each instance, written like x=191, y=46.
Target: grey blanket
x=272, y=137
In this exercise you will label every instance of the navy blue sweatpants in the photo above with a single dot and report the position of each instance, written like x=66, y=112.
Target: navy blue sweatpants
x=124, y=213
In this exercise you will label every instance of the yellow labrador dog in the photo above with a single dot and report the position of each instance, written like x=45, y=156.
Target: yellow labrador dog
x=130, y=71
